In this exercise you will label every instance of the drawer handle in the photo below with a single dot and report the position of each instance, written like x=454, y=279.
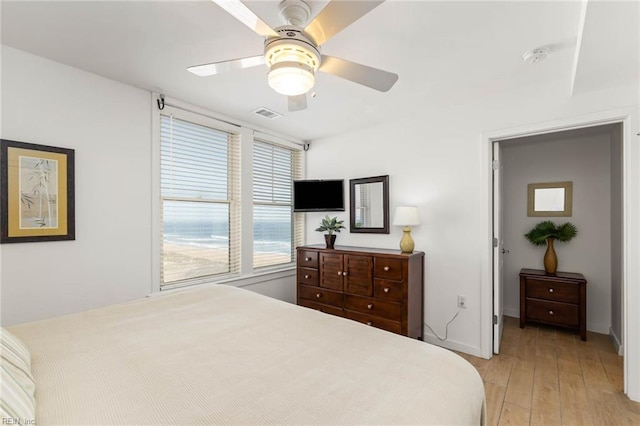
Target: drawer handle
x=308, y=259
x=344, y=274
x=307, y=276
x=550, y=312
x=339, y=272
x=370, y=306
x=369, y=323
x=318, y=295
x=386, y=290
x=386, y=269
x=550, y=290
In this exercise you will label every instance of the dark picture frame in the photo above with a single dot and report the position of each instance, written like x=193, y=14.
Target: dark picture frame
x=37, y=193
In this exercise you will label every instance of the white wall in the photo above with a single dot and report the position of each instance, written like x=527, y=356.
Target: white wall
x=434, y=159
x=109, y=127
x=582, y=157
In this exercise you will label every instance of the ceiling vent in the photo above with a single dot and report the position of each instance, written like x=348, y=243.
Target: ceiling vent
x=266, y=113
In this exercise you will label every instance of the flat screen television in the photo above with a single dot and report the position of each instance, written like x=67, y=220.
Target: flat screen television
x=318, y=195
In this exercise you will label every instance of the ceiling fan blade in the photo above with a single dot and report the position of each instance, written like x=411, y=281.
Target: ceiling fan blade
x=243, y=14
x=336, y=16
x=367, y=76
x=206, y=70
x=298, y=103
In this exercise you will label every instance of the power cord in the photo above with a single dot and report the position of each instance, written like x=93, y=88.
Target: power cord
x=446, y=327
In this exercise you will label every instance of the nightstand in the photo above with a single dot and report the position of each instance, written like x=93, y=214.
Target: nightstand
x=559, y=299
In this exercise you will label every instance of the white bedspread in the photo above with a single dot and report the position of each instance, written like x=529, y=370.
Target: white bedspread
x=223, y=355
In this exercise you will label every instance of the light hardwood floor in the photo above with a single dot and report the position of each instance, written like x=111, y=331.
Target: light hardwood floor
x=548, y=376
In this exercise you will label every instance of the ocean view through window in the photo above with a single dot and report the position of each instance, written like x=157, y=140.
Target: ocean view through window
x=275, y=230
x=200, y=211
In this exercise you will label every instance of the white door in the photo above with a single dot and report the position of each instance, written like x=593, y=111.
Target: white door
x=498, y=249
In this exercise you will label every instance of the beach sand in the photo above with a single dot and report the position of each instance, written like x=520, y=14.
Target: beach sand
x=182, y=262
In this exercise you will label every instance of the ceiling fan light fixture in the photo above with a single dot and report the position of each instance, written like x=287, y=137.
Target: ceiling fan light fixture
x=292, y=66
x=291, y=78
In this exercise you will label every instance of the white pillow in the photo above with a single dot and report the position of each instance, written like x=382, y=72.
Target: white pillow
x=14, y=350
x=17, y=392
x=17, y=401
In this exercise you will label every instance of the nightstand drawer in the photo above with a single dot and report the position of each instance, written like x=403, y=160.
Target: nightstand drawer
x=308, y=276
x=387, y=290
x=370, y=306
x=553, y=312
x=555, y=291
x=308, y=259
x=385, y=324
x=390, y=269
x=327, y=309
x=321, y=295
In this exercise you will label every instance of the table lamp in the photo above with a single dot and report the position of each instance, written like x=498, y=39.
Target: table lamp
x=406, y=216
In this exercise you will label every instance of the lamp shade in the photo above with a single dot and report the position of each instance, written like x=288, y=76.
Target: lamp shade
x=406, y=216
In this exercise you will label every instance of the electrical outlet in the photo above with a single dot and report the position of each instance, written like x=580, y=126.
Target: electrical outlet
x=462, y=301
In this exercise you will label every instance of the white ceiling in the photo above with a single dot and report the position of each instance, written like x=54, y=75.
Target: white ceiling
x=446, y=53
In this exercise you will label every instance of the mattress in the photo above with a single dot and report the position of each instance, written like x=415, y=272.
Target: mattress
x=224, y=355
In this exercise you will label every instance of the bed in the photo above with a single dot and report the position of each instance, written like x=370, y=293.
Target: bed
x=224, y=355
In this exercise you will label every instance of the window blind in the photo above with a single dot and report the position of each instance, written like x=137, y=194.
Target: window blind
x=276, y=230
x=362, y=211
x=199, y=188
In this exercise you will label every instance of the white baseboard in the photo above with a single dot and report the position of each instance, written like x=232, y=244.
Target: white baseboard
x=453, y=345
x=616, y=342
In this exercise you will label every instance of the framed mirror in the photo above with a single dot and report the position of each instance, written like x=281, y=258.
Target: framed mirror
x=369, y=205
x=551, y=199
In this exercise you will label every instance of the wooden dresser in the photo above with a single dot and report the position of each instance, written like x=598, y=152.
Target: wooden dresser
x=559, y=299
x=379, y=287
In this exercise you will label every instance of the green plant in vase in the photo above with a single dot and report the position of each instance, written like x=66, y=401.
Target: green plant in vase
x=330, y=226
x=545, y=233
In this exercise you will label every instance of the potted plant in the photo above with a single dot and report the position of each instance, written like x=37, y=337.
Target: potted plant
x=546, y=233
x=330, y=225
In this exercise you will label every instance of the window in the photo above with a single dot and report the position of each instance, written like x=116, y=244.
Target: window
x=199, y=191
x=275, y=230
x=223, y=202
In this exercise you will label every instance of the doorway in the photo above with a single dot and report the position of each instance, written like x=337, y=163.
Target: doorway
x=589, y=158
x=630, y=225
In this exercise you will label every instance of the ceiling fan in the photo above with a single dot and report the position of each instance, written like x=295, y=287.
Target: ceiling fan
x=292, y=53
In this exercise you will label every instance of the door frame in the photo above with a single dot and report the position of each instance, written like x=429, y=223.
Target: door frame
x=498, y=249
x=630, y=229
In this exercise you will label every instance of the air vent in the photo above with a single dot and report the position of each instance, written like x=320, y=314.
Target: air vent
x=266, y=113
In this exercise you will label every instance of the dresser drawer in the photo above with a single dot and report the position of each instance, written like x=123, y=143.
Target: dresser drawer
x=327, y=309
x=370, y=306
x=385, y=324
x=320, y=295
x=555, y=291
x=553, y=312
x=308, y=276
x=308, y=259
x=390, y=269
x=387, y=290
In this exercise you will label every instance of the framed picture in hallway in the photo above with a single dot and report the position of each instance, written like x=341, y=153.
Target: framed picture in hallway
x=37, y=198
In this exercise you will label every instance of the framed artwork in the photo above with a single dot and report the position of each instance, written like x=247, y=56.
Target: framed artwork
x=37, y=200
